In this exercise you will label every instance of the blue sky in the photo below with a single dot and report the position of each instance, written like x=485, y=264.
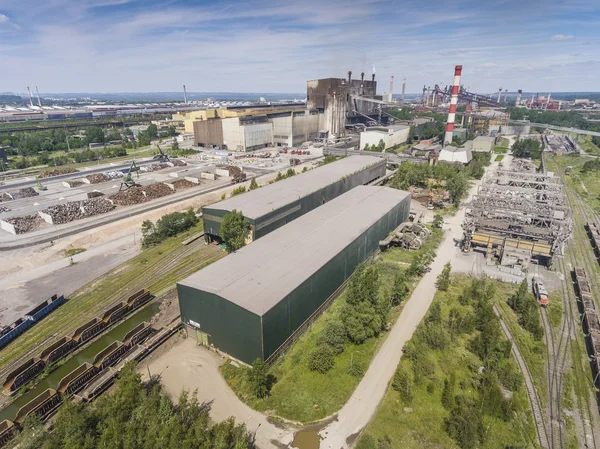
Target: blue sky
x=275, y=46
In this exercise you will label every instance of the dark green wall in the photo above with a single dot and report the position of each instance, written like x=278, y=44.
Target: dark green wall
x=232, y=329
x=281, y=321
x=277, y=218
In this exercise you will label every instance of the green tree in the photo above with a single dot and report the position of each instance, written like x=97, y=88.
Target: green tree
x=253, y=184
x=94, y=134
x=465, y=423
x=258, y=376
x=527, y=148
x=457, y=188
x=234, y=230
x=152, y=131
x=448, y=392
x=175, y=146
x=399, y=289
x=403, y=384
x=438, y=221
x=279, y=176
x=411, y=134
x=367, y=147
x=443, y=280
x=238, y=191
x=381, y=145
x=334, y=336
x=171, y=132
x=290, y=172
x=321, y=359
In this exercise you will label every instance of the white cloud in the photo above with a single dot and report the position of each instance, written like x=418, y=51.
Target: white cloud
x=7, y=24
x=561, y=37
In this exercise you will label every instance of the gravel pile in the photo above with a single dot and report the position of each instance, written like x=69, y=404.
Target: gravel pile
x=25, y=223
x=57, y=172
x=4, y=209
x=157, y=190
x=97, y=178
x=183, y=184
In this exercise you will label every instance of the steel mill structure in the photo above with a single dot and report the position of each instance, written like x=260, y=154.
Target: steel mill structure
x=521, y=209
x=453, y=103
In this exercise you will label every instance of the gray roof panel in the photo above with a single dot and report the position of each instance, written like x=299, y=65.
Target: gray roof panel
x=260, y=275
x=259, y=202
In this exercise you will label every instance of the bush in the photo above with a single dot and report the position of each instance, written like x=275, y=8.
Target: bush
x=334, y=336
x=234, y=230
x=443, y=280
x=356, y=370
x=259, y=378
x=321, y=359
x=167, y=226
x=238, y=191
x=253, y=184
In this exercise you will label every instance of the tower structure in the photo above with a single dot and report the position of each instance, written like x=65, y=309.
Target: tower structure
x=453, y=103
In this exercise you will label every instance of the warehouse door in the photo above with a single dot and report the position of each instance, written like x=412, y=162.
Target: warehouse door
x=202, y=338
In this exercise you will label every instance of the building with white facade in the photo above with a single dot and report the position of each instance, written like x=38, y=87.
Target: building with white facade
x=484, y=143
x=453, y=154
x=391, y=135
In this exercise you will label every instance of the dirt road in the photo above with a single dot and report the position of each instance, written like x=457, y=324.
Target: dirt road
x=187, y=366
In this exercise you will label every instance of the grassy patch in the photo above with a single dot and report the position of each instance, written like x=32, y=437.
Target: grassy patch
x=503, y=142
x=499, y=157
x=586, y=185
x=421, y=422
x=500, y=150
x=155, y=269
x=72, y=251
x=586, y=144
x=307, y=396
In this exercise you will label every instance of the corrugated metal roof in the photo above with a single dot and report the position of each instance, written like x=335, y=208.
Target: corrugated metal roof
x=260, y=275
x=256, y=203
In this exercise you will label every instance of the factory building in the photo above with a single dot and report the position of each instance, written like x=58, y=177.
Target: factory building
x=484, y=144
x=247, y=133
x=338, y=99
x=254, y=302
x=391, y=135
x=274, y=205
x=452, y=154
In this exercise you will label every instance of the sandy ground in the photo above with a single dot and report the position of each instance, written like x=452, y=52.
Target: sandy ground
x=28, y=276
x=191, y=367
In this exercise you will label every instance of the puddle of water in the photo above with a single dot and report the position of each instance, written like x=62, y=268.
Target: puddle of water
x=86, y=355
x=306, y=439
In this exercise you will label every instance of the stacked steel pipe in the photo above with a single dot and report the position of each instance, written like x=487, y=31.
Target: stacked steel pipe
x=453, y=102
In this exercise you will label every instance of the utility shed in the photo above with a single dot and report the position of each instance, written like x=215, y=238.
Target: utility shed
x=274, y=205
x=253, y=301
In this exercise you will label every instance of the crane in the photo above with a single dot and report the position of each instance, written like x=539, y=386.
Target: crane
x=39, y=184
x=128, y=181
x=161, y=156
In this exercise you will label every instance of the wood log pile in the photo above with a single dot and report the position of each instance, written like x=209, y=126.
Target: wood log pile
x=57, y=172
x=25, y=223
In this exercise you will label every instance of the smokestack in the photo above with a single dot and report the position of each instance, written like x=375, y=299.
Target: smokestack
x=548, y=100
x=349, y=76
x=362, y=83
x=184, y=94
x=403, y=89
x=499, y=93
x=423, y=94
x=505, y=94
x=453, y=103
x=373, y=77
x=38, y=96
x=519, y=92
x=30, y=98
x=391, y=86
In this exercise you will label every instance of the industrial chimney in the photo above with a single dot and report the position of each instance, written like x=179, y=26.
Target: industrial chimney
x=519, y=92
x=184, y=94
x=362, y=83
x=403, y=89
x=373, y=77
x=391, y=88
x=499, y=93
x=453, y=103
x=349, y=77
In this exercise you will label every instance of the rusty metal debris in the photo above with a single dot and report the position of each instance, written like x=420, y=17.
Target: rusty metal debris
x=97, y=178
x=137, y=195
x=236, y=174
x=74, y=183
x=18, y=194
x=76, y=210
x=57, y=172
x=4, y=209
x=25, y=223
x=183, y=184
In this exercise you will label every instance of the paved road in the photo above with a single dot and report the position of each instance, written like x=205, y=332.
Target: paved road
x=557, y=128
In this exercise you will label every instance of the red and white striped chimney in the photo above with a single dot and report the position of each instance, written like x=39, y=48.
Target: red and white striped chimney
x=453, y=102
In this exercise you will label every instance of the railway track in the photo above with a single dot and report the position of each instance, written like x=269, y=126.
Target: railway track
x=537, y=408
x=582, y=248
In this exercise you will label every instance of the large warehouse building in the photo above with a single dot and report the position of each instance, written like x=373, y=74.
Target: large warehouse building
x=252, y=302
x=274, y=205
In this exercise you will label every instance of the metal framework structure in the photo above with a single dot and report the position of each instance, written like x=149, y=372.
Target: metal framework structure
x=518, y=204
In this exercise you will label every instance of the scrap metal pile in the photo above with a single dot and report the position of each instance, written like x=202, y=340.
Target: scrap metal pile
x=97, y=178
x=25, y=223
x=407, y=235
x=57, y=172
x=437, y=197
x=520, y=205
x=183, y=184
x=236, y=174
x=178, y=163
x=18, y=194
x=76, y=210
x=4, y=209
x=137, y=195
x=74, y=183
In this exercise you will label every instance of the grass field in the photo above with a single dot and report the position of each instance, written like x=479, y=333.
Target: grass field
x=307, y=396
x=499, y=158
x=421, y=423
x=587, y=185
x=585, y=142
x=155, y=269
x=500, y=150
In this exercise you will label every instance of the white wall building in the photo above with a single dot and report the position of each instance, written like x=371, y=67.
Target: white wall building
x=247, y=133
x=453, y=154
x=392, y=135
x=484, y=143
